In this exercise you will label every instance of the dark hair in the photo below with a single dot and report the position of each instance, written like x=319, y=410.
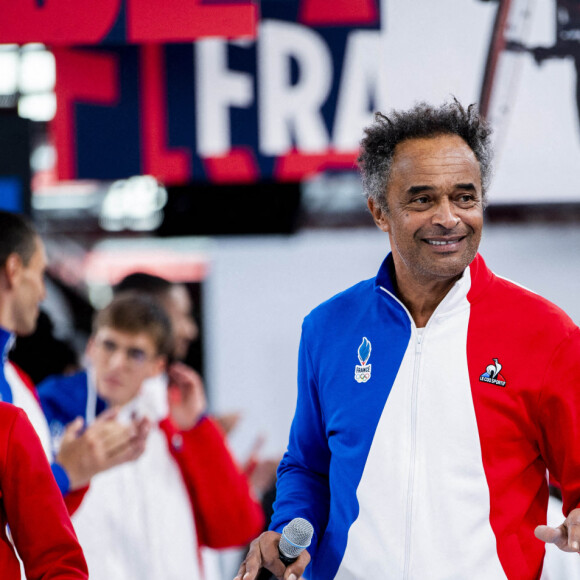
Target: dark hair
x=133, y=313
x=17, y=236
x=422, y=121
x=145, y=283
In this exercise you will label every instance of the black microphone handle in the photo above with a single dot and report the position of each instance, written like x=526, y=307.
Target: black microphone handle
x=267, y=575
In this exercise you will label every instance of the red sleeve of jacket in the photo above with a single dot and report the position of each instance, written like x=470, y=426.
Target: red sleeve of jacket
x=34, y=508
x=559, y=407
x=226, y=513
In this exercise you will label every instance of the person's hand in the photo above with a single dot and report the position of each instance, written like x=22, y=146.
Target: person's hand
x=263, y=553
x=566, y=536
x=186, y=396
x=104, y=444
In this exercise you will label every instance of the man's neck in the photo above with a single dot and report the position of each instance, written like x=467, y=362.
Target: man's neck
x=422, y=298
x=6, y=318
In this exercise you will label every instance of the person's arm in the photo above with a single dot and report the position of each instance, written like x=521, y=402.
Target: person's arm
x=226, y=512
x=302, y=486
x=559, y=406
x=35, y=511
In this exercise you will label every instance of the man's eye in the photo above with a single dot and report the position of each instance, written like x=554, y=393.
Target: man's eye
x=136, y=354
x=421, y=200
x=109, y=346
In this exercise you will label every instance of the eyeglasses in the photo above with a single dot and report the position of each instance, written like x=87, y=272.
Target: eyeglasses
x=136, y=356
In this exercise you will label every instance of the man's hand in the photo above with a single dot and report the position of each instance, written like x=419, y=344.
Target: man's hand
x=186, y=395
x=104, y=444
x=566, y=536
x=263, y=553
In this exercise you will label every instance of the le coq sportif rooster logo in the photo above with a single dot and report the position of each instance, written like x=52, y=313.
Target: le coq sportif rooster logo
x=493, y=375
x=362, y=372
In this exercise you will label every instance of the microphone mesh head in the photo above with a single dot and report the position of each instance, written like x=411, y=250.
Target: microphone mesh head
x=296, y=536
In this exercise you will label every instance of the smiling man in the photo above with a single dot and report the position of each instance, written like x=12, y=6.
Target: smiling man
x=423, y=433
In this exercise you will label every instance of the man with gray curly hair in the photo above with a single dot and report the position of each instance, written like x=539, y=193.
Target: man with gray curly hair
x=433, y=398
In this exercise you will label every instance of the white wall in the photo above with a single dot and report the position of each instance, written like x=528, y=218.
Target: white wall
x=260, y=288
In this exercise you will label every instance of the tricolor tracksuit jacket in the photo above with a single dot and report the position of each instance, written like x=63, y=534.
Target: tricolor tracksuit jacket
x=423, y=455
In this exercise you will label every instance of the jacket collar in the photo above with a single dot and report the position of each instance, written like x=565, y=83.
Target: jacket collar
x=6, y=341
x=471, y=285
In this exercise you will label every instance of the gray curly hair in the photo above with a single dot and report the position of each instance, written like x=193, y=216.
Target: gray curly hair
x=423, y=120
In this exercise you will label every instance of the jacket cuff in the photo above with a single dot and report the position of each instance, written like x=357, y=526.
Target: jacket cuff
x=61, y=477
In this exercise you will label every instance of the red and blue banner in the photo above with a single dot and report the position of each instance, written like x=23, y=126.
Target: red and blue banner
x=80, y=22
x=278, y=107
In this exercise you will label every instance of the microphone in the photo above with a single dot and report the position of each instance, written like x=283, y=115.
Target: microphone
x=296, y=537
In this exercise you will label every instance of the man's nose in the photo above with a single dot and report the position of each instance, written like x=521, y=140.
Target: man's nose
x=445, y=215
x=118, y=358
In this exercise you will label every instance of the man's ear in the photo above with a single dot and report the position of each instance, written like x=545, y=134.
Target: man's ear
x=13, y=267
x=378, y=214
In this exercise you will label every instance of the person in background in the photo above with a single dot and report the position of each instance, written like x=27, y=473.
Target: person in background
x=147, y=519
x=433, y=398
x=84, y=452
x=33, y=517
x=176, y=301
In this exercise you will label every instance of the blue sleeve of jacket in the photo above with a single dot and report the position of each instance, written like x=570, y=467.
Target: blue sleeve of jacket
x=61, y=477
x=48, y=391
x=62, y=399
x=302, y=489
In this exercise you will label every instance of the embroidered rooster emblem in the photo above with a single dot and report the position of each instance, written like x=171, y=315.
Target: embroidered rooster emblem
x=493, y=375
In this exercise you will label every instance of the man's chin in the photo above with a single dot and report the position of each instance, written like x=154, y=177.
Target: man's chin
x=448, y=266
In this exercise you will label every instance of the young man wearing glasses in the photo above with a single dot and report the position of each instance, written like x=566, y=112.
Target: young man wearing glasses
x=147, y=519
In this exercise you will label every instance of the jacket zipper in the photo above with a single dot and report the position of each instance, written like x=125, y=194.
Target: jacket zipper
x=413, y=452
x=412, y=458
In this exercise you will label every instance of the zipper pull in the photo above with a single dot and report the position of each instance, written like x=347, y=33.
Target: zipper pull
x=419, y=342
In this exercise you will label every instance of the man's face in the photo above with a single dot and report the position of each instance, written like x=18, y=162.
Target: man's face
x=177, y=304
x=435, y=210
x=29, y=291
x=121, y=362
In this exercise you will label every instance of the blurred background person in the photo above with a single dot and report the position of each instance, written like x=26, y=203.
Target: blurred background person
x=147, y=519
x=175, y=299
x=177, y=303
